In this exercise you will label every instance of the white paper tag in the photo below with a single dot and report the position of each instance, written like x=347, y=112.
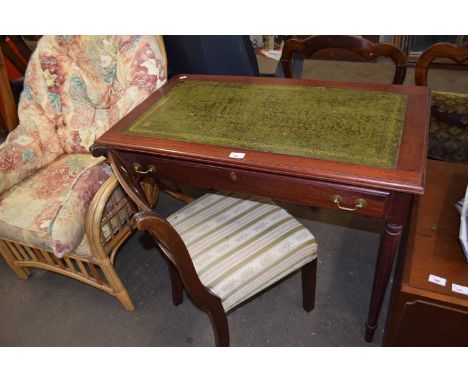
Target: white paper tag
x=437, y=280
x=182, y=77
x=237, y=155
x=459, y=289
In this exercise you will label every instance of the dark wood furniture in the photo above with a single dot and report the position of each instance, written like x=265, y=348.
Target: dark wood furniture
x=8, y=113
x=182, y=270
x=423, y=313
x=384, y=191
x=363, y=48
x=449, y=125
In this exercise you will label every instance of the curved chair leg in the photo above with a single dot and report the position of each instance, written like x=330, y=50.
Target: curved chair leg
x=308, y=275
x=176, y=284
x=116, y=284
x=219, y=323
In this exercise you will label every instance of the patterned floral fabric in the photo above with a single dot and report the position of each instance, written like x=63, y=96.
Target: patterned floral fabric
x=240, y=245
x=76, y=88
x=85, y=84
x=26, y=150
x=449, y=142
x=48, y=209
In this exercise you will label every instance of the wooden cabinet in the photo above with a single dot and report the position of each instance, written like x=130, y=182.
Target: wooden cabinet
x=423, y=313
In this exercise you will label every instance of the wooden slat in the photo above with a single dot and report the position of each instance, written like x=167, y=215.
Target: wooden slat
x=95, y=273
x=58, y=261
x=21, y=251
x=13, y=251
x=47, y=257
x=40, y=256
x=82, y=268
x=30, y=252
x=69, y=264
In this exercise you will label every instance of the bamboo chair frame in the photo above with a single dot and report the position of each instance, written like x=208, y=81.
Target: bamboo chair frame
x=98, y=269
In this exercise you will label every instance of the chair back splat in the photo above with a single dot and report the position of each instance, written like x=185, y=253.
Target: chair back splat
x=366, y=49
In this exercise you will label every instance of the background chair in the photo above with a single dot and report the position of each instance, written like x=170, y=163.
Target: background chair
x=448, y=133
x=61, y=209
x=295, y=51
x=225, y=248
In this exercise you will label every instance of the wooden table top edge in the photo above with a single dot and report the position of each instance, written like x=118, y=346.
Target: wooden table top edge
x=402, y=179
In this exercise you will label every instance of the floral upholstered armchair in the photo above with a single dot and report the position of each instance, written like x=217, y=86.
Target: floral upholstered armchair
x=61, y=209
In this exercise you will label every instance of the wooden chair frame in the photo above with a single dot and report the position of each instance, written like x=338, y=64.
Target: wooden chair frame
x=181, y=269
x=361, y=46
x=458, y=54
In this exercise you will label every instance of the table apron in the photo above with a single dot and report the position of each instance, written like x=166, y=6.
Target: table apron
x=276, y=186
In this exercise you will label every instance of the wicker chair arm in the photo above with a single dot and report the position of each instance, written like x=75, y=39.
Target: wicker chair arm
x=100, y=219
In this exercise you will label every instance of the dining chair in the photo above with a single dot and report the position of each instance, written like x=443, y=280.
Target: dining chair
x=295, y=51
x=448, y=132
x=224, y=248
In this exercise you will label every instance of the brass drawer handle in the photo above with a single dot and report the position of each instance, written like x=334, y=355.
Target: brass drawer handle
x=358, y=203
x=137, y=167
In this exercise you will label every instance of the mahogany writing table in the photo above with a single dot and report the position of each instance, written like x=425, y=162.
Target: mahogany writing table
x=354, y=147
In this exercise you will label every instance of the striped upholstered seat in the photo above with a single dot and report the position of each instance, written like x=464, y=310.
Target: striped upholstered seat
x=240, y=245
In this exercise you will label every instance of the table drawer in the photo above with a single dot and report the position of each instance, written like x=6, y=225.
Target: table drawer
x=276, y=186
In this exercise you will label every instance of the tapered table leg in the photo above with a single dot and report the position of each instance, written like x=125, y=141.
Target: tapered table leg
x=396, y=217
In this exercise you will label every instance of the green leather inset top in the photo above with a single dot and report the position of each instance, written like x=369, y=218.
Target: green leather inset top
x=353, y=126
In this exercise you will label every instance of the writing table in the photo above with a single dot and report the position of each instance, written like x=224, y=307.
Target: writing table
x=354, y=147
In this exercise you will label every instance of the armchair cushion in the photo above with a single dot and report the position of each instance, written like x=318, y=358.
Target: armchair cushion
x=240, y=245
x=449, y=142
x=48, y=209
x=85, y=84
x=26, y=150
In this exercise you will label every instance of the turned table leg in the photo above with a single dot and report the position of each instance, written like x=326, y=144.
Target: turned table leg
x=396, y=217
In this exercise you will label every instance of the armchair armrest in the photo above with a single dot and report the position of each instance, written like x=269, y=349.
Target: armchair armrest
x=109, y=220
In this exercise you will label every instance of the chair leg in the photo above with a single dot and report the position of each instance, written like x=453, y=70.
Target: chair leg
x=308, y=275
x=21, y=272
x=176, y=284
x=116, y=284
x=219, y=323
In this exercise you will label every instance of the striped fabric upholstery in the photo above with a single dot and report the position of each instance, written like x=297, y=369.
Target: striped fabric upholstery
x=242, y=244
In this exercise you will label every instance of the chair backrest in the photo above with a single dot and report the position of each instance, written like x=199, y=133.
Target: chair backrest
x=364, y=48
x=161, y=230
x=223, y=55
x=458, y=54
x=84, y=84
